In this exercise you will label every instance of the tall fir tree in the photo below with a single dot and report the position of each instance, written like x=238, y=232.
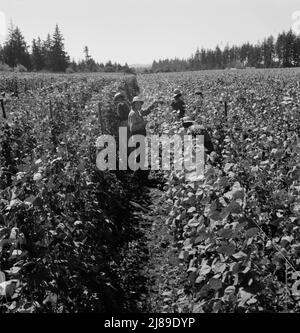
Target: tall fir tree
x=46, y=50
x=15, y=50
x=268, y=51
x=59, y=59
x=279, y=47
x=296, y=51
x=86, y=54
x=37, y=55
x=1, y=54
x=290, y=40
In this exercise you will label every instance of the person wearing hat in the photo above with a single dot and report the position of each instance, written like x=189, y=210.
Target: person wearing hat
x=123, y=109
x=137, y=123
x=178, y=104
x=199, y=100
x=194, y=129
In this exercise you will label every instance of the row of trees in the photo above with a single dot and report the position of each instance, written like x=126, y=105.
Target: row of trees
x=281, y=52
x=48, y=55
x=88, y=64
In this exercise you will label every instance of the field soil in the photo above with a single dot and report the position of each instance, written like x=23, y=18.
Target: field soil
x=160, y=273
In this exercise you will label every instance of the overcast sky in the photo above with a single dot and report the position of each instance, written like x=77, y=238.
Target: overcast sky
x=139, y=31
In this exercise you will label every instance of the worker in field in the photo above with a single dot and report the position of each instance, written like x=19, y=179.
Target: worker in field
x=137, y=123
x=136, y=120
x=195, y=129
x=178, y=104
x=199, y=102
x=123, y=109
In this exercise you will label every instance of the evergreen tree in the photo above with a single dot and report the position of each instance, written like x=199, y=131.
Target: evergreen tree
x=197, y=60
x=86, y=53
x=15, y=49
x=109, y=67
x=89, y=64
x=280, y=44
x=37, y=56
x=290, y=41
x=1, y=54
x=203, y=59
x=257, y=56
x=296, y=51
x=245, y=54
x=59, y=59
x=218, y=58
x=226, y=56
x=268, y=50
x=46, y=50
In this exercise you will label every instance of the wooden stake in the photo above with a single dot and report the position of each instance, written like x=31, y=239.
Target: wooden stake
x=3, y=108
x=100, y=118
x=226, y=110
x=51, y=111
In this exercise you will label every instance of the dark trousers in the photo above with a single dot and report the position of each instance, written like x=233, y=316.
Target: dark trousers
x=142, y=174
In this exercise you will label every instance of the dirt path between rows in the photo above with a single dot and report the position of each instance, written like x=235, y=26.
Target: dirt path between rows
x=161, y=272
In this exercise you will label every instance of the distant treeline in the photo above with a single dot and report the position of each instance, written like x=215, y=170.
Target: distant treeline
x=281, y=52
x=47, y=55
x=50, y=56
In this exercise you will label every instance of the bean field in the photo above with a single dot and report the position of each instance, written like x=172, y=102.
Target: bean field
x=75, y=239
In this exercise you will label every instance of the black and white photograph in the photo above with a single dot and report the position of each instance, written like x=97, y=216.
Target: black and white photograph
x=149, y=159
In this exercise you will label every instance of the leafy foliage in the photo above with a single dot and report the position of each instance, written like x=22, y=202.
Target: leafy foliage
x=64, y=225
x=237, y=231
x=67, y=234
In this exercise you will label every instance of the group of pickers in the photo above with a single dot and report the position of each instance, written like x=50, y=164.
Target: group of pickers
x=131, y=115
